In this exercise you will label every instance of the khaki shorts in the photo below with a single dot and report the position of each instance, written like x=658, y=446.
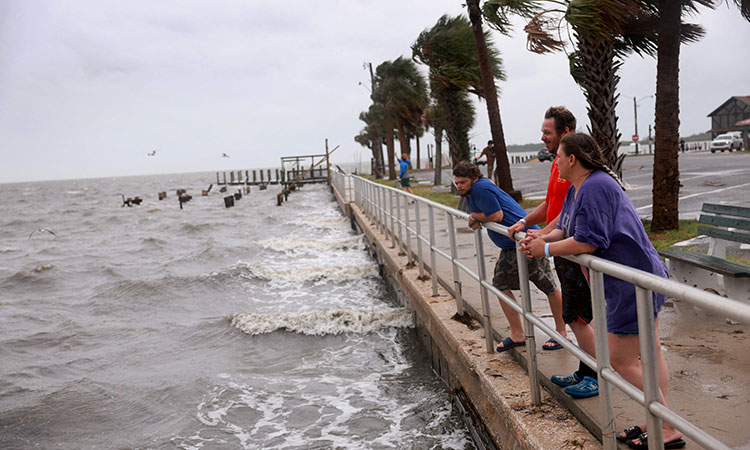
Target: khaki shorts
x=506, y=272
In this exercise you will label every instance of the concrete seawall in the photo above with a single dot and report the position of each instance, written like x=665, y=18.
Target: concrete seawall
x=491, y=391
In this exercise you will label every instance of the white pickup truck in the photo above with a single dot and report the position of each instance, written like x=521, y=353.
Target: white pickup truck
x=727, y=141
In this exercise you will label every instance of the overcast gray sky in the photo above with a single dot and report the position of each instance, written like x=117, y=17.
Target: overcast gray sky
x=89, y=87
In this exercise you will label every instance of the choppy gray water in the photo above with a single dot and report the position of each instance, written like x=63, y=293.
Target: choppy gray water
x=207, y=328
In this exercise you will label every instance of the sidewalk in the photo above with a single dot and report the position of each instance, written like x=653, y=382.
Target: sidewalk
x=707, y=357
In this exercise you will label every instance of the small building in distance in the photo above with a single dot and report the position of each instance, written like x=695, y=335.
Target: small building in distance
x=725, y=117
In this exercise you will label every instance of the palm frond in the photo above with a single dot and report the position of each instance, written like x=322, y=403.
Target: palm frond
x=497, y=13
x=540, y=34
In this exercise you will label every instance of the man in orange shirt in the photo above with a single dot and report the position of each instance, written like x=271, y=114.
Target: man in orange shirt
x=576, y=297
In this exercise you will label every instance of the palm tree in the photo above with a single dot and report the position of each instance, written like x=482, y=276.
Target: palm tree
x=436, y=118
x=402, y=90
x=671, y=33
x=502, y=173
x=372, y=136
x=448, y=49
x=605, y=31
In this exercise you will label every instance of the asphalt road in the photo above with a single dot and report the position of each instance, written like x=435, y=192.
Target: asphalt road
x=706, y=177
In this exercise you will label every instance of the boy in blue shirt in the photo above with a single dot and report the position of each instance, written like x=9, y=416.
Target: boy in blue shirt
x=488, y=203
x=404, y=174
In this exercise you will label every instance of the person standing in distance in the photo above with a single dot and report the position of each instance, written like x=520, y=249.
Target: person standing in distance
x=489, y=203
x=489, y=152
x=576, y=296
x=404, y=174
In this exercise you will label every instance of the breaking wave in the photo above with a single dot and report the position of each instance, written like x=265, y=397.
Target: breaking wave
x=333, y=223
x=322, y=322
x=286, y=244
x=310, y=273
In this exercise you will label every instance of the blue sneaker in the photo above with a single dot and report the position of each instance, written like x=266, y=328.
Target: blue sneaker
x=565, y=380
x=588, y=387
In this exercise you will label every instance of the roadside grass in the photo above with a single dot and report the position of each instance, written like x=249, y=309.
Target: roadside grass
x=663, y=240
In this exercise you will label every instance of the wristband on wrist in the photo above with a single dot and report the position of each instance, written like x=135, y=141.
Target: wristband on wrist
x=546, y=250
x=524, y=221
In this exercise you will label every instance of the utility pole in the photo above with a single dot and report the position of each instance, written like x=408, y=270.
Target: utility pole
x=635, y=115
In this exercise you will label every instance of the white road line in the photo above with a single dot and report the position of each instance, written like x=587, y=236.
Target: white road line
x=699, y=193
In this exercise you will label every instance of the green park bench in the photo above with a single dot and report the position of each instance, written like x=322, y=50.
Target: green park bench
x=722, y=224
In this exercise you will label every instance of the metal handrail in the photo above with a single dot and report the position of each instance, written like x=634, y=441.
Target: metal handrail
x=368, y=194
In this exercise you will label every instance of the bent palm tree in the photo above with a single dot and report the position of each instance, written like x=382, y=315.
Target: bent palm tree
x=502, y=175
x=402, y=90
x=449, y=51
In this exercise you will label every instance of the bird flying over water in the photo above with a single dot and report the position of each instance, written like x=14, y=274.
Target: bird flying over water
x=152, y=153
x=43, y=230
x=224, y=155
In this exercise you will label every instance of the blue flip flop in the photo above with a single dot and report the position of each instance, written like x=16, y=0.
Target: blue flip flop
x=508, y=344
x=555, y=345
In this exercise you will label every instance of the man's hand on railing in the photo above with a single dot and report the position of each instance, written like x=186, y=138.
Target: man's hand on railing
x=516, y=227
x=474, y=224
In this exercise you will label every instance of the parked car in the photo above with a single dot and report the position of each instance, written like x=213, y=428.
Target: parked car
x=727, y=141
x=544, y=155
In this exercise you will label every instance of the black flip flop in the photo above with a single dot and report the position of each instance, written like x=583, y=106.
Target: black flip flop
x=630, y=433
x=508, y=344
x=675, y=444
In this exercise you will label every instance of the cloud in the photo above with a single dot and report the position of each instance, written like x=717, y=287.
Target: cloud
x=87, y=88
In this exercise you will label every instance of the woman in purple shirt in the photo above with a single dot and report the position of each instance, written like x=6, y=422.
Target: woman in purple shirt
x=598, y=218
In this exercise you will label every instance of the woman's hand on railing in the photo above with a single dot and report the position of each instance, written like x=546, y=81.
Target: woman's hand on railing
x=533, y=244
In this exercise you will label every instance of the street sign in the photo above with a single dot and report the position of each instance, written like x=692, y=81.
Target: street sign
x=635, y=138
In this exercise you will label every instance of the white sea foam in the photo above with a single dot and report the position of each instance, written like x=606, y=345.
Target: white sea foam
x=333, y=223
x=312, y=273
x=322, y=322
x=286, y=244
x=43, y=268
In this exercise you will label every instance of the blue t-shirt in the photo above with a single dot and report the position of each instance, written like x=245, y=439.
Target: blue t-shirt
x=488, y=199
x=404, y=168
x=602, y=215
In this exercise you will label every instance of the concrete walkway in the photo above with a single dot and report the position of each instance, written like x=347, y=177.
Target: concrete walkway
x=708, y=359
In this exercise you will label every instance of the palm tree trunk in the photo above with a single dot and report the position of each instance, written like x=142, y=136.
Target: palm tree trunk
x=666, y=180
x=417, y=139
x=458, y=138
x=390, y=148
x=377, y=156
x=403, y=140
x=502, y=173
x=598, y=78
x=438, y=158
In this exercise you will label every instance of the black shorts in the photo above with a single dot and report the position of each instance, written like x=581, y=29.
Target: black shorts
x=405, y=182
x=576, y=295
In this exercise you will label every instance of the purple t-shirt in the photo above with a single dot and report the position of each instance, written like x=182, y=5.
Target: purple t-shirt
x=602, y=215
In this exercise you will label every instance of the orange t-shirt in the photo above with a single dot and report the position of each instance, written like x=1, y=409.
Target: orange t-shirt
x=557, y=189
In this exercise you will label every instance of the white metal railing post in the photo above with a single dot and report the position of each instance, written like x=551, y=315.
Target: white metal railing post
x=419, y=240
x=393, y=226
x=383, y=224
x=523, y=278
x=433, y=269
x=486, y=317
x=398, y=221
x=602, y=359
x=454, y=257
x=649, y=362
x=378, y=194
x=407, y=221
